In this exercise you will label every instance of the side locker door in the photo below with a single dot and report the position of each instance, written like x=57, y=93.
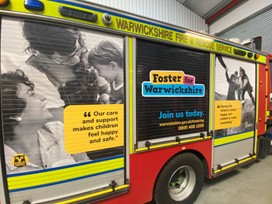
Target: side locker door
x=80, y=139
x=175, y=108
x=235, y=111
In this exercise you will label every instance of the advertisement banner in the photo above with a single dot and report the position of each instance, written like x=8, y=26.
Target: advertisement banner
x=62, y=95
x=235, y=96
x=172, y=87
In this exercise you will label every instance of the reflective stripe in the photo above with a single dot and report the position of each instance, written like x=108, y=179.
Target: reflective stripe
x=138, y=26
x=93, y=195
x=55, y=176
x=234, y=164
x=233, y=138
x=130, y=57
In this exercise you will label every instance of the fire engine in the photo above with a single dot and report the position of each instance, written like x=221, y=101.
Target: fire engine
x=103, y=106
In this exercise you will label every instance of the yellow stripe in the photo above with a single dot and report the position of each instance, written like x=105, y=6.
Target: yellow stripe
x=131, y=128
x=59, y=175
x=257, y=110
x=146, y=29
x=234, y=164
x=93, y=195
x=233, y=138
x=211, y=104
x=172, y=144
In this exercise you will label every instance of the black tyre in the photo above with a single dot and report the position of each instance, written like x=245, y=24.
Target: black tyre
x=267, y=144
x=258, y=149
x=262, y=148
x=269, y=147
x=180, y=180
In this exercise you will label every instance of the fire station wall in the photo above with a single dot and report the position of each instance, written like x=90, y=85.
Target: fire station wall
x=260, y=25
x=169, y=11
x=246, y=10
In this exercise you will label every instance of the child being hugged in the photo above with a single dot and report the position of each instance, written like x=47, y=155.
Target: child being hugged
x=107, y=59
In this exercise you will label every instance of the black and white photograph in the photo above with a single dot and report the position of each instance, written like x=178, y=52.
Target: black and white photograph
x=46, y=68
x=235, y=80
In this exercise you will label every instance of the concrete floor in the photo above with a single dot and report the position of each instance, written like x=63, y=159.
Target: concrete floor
x=251, y=184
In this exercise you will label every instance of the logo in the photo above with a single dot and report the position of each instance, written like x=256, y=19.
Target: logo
x=20, y=160
x=171, y=84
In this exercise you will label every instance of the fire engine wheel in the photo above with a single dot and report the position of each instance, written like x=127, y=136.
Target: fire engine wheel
x=262, y=148
x=268, y=143
x=180, y=181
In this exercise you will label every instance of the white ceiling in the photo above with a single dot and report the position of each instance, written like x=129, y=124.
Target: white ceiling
x=205, y=8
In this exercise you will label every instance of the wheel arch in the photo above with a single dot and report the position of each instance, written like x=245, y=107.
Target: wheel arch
x=196, y=153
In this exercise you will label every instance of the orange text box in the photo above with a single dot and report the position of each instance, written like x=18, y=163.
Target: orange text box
x=227, y=114
x=93, y=127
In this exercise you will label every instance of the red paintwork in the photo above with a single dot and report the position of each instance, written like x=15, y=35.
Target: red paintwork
x=145, y=167
x=264, y=95
x=262, y=100
x=269, y=58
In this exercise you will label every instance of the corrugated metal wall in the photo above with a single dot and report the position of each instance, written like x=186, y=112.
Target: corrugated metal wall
x=260, y=25
x=169, y=11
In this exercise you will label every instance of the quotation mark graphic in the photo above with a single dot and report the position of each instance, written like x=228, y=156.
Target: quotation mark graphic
x=87, y=114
